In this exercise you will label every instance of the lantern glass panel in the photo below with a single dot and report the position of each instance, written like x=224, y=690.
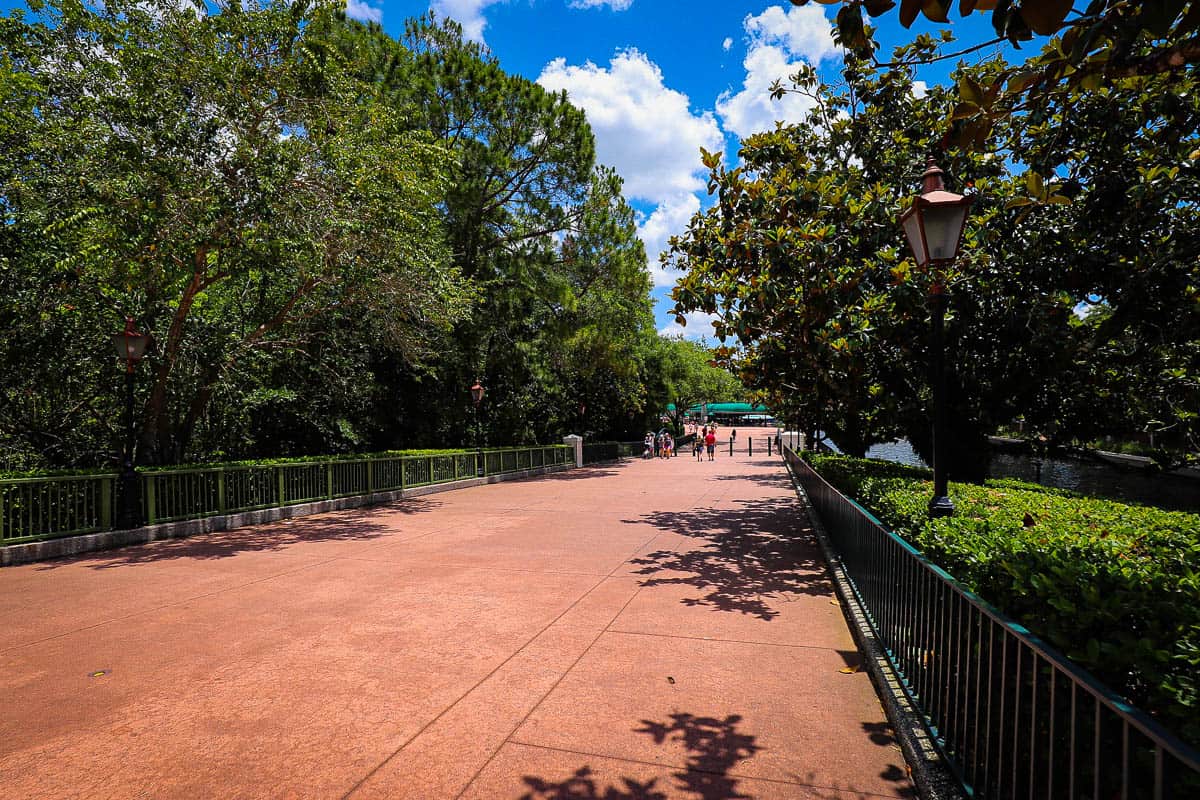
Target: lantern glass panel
x=943, y=229
x=912, y=229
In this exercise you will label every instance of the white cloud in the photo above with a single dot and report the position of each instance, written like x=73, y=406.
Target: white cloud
x=468, y=13
x=669, y=219
x=920, y=89
x=728, y=43
x=643, y=129
x=615, y=5
x=357, y=9
x=699, y=326
x=779, y=42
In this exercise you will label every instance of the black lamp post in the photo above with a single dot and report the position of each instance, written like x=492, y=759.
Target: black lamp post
x=130, y=346
x=934, y=226
x=476, y=399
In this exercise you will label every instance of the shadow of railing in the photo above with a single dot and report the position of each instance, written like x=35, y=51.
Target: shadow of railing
x=358, y=525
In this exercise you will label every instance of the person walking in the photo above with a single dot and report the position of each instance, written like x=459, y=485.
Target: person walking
x=710, y=443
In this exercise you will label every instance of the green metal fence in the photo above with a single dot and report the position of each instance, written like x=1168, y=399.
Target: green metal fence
x=594, y=452
x=32, y=509
x=1014, y=717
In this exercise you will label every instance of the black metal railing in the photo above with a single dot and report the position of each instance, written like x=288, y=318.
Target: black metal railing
x=595, y=452
x=1014, y=718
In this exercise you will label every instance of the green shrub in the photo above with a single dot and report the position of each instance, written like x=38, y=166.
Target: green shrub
x=1114, y=586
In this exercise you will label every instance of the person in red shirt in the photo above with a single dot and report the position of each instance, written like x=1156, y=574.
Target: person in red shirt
x=710, y=442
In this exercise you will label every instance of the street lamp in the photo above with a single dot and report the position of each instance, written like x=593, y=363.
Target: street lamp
x=130, y=346
x=476, y=399
x=934, y=226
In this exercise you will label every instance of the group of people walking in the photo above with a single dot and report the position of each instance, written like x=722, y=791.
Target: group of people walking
x=662, y=444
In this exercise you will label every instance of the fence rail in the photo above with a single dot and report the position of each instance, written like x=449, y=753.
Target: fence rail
x=32, y=509
x=594, y=452
x=1014, y=718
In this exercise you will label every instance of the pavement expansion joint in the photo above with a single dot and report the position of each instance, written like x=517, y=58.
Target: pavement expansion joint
x=549, y=691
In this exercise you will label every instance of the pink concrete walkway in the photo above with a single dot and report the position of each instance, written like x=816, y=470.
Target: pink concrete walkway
x=645, y=631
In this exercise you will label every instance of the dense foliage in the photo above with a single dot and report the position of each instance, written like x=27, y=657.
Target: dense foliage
x=1115, y=587
x=330, y=235
x=1074, y=306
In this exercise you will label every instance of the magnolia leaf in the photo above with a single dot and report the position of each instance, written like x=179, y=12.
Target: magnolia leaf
x=935, y=10
x=965, y=7
x=1045, y=17
x=1017, y=202
x=879, y=7
x=970, y=91
x=908, y=11
x=850, y=670
x=986, y=5
x=964, y=111
x=1022, y=81
x=1057, y=199
x=1035, y=184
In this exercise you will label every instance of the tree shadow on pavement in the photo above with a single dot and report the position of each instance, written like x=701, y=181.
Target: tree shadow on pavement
x=363, y=524
x=754, y=557
x=577, y=473
x=715, y=747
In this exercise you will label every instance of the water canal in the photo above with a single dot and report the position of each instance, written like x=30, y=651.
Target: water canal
x=1097, y=479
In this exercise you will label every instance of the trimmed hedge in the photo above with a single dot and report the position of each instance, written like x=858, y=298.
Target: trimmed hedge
x=260, y=462
x=1114, y=586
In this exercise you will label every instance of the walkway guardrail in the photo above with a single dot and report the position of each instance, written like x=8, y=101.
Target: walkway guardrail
x=594, y=452
x=32, y=509
x=1014, y=718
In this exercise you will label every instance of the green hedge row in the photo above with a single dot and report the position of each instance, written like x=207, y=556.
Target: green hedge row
x=1114, y=586
x=261, y=462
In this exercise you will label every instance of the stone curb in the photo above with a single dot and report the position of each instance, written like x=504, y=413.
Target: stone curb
x=14, y=554
x=929, y=771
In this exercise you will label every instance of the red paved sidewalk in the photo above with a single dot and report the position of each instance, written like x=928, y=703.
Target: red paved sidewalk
x=653, y=630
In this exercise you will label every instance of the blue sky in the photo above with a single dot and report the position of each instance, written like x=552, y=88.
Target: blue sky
x=659, y=80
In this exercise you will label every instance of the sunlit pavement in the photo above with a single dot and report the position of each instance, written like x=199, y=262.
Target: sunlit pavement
x=654, y=629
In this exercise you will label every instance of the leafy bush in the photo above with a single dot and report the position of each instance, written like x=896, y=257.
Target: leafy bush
x=260, y=462
x=1114, y=586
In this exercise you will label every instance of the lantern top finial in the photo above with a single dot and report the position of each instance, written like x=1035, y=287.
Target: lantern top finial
x=932, y=180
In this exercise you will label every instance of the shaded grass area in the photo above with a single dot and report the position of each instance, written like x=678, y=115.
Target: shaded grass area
x=1114, y=586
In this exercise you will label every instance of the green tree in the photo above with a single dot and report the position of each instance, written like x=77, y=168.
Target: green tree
x=685, y=373
x=1103, y=44
x=224, y=180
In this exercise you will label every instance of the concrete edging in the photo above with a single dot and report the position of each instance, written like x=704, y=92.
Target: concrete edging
x=29, y=552
x=930, y=773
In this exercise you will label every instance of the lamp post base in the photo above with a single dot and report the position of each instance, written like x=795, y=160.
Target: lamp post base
x=128, y=510
x=941, y=506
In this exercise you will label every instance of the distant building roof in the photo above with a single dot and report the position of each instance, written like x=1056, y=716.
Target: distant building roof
x=726, y=408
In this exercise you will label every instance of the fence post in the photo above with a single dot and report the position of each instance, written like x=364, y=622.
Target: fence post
x=576, y=442
x=402, y=462
x=151, y=499
x=328, y=480
x=3, y=493
x=221, y=490
x=370, y=476
x=280, y=484
x=768, y=445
